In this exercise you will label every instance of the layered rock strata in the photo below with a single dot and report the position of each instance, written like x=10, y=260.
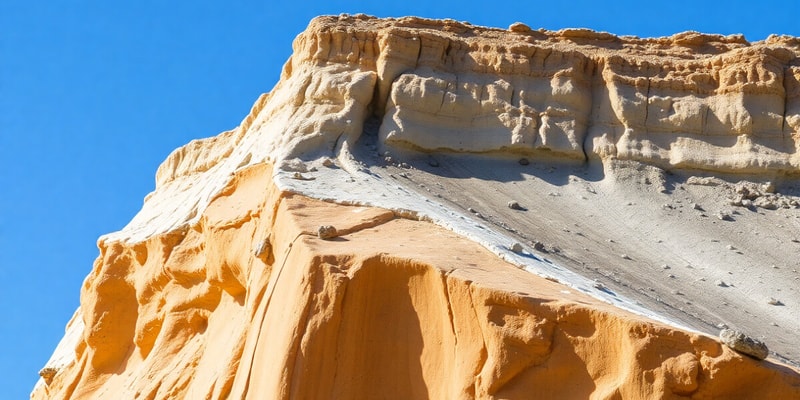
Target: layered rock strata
x=690, y=100
x=221, y=287
x=250, y=303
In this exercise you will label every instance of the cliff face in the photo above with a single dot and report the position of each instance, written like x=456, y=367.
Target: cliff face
x=221, y=287
x=250, y=303
x=690, y=100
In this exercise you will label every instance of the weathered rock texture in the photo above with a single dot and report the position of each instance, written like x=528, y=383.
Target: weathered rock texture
x=224, y=287
x=250, y=303
x=690, y=100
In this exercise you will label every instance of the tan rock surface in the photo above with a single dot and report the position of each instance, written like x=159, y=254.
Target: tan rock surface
x=392, y=308
x=221, y=287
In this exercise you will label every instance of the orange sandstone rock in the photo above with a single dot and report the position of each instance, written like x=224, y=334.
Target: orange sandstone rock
x=392, y=308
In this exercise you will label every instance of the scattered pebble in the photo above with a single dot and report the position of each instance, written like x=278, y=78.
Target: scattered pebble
x=625, y=256
x=48, y=373
x=300, y=177
x=730, y=247
x=326, y=232
x=721, y=283
x=524, y=161
x=514, y=205
x=774, y=302
x=263, y=249
x=724, y=216
x=328, y=163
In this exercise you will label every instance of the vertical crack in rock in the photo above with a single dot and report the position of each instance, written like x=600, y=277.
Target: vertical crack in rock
x=450, y=317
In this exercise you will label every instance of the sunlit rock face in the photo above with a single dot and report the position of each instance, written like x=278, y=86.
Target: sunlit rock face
x=223, y=286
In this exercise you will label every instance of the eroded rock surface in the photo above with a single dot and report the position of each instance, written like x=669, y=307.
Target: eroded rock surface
x=398, y=308
x=224, y=286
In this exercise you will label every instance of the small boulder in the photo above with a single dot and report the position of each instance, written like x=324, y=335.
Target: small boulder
x=326, y=232
x=514, y=205
x=263, y=249
x=744, y=344
x=48, y=373
x=519, y=27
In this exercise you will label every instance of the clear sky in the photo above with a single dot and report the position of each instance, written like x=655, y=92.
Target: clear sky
x=95, y=94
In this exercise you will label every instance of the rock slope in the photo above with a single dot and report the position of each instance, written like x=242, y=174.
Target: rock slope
x=224, y=285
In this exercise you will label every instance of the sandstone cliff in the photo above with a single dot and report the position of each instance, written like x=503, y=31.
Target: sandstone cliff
x=221, y=286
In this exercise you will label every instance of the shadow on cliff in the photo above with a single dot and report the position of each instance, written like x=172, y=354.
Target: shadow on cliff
x=380, y=353
x=503, y=168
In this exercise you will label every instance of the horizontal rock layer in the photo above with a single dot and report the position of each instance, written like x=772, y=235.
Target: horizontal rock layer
x=690, y=100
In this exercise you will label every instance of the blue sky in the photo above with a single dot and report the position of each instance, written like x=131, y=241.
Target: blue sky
x=95, y=94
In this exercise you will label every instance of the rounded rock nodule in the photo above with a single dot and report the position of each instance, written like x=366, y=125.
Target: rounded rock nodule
x=326, y=232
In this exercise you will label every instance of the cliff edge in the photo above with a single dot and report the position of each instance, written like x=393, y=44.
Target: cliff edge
x=330, y=245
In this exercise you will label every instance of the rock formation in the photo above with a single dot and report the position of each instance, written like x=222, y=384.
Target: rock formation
x=234, y=282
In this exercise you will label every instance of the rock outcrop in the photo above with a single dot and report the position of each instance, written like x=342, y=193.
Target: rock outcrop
x=227, y=285
x=250, y=303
